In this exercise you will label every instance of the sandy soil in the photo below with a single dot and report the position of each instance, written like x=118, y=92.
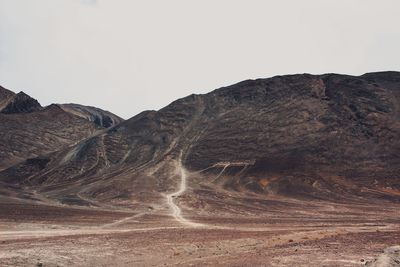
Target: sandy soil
x=84, y=237
x=200, y=226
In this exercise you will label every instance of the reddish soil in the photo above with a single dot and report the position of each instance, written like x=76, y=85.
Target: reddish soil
x=63, y=236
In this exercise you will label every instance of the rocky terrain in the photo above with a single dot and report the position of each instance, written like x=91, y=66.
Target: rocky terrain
x=325, y=136
x=390, y=257
x=28, y=130
x=100, y=117
x=289, y=170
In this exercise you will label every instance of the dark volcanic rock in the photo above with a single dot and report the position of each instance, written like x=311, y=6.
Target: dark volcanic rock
x=21, y=103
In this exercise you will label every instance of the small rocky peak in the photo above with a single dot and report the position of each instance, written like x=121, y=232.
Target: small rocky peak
x=21, y=103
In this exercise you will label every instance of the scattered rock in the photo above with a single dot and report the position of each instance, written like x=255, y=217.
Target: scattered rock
x=389, y=258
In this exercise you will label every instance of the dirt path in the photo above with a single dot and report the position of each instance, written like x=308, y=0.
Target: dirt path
x=176, y=211
x=119, y=222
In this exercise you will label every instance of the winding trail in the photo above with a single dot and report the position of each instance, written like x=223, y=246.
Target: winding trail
x=176, y=211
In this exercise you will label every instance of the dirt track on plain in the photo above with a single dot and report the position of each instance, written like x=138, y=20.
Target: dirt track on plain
x=85, y=237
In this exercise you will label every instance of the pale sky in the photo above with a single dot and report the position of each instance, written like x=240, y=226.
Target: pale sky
x=129, y=56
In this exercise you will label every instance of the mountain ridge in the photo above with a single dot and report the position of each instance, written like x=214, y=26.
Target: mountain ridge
x=327, y=136
x=28, y=130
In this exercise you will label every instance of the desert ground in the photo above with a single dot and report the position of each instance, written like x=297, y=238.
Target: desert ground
x=76, y=237
x=293, y=170
x=238, y=229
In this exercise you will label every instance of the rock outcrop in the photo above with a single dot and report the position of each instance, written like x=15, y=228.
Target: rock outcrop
x=20, y=103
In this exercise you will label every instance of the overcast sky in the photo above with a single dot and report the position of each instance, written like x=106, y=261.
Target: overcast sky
x=129, y=56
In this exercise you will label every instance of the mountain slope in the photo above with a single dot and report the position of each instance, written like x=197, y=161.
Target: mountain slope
x=28, y=130
x=100, y=117
x=21, y=103
x=5, y=97
x=306, y=136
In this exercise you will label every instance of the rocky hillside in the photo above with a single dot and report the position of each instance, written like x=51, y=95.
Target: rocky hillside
x=21, y=103
x=306, y=136
x=98, y=116
x=5, y=97
x=28, y=130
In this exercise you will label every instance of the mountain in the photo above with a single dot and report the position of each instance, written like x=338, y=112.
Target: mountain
x=330, y=137
x=5, y=97
x=11, y=103
x=28, y=130
x=98, y=116
x=21, y=103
